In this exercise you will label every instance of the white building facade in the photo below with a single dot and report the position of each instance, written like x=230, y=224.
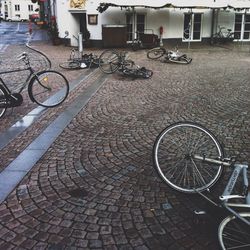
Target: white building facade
x=180, y=22
x=14, y=10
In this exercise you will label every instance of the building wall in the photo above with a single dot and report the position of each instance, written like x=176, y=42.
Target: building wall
x=171, y=19
x=23, y=12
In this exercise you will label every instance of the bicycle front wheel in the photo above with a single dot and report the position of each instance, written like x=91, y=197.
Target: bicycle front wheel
x=233, y=233
x=48, y=88
x=156, y=53
x=3, y=101
x=173, y=153
x=109, y=61
x=70, y=65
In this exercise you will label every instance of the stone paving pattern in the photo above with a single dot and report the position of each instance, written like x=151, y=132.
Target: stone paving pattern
x=96, y=187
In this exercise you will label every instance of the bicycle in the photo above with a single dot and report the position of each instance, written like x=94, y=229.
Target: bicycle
x=189, y=158
x=138, y=72
x=170, y=55
x=47, y=88
x=111, y=61
x=79, y=61
x=222, y=37
x=146, y=39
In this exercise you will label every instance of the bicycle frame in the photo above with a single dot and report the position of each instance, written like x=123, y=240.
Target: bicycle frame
x=227, y=193
x=31, y=74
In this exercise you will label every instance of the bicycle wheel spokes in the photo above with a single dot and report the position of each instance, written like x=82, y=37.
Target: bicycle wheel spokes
x=155, y=53
x=3, y=102
x=70, y=65
x=173, y=157
x=109, y=61
x=49, y=88
x=234, y=233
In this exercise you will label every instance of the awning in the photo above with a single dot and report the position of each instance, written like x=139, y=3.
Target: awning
x=200, y=4
x=212, y=4
x=239, y=4
x=133, y=3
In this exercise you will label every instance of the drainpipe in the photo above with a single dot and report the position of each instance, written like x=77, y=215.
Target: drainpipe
x=80, y=47
x=133, y=25
x=212, y=26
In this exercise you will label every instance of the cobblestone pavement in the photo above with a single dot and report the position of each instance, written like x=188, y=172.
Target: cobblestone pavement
x=96, y=188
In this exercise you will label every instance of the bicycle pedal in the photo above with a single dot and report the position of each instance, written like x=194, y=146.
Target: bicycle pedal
x=200, y=212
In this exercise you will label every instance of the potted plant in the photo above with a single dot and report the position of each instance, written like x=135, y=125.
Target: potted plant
x=86, y=36
x=54, y=33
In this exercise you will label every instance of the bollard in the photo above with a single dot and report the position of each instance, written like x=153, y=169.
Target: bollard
x=30, y=27
x=80, y=47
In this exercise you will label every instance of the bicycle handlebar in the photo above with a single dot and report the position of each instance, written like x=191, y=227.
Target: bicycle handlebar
x=22, y=56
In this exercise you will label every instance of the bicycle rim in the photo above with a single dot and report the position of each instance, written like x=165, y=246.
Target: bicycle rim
x=3, y=102
x=109, y=61
x=234, y=233
x=173, y=151
x=155, y=53
x=70, y=65
x=48, y=88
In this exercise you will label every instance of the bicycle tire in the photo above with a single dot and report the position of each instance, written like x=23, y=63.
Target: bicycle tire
x=70, y=65
x=136, y=45
x=109, y=61
x=234, y=233
x=48, y=88
x=3, y=101
x=172, y=155
x=181, y=60
x=156, y=53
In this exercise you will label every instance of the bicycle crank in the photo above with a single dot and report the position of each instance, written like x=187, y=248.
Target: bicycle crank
x=13, y=100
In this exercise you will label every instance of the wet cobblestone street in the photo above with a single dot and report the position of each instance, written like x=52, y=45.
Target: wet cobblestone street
x=96, y=187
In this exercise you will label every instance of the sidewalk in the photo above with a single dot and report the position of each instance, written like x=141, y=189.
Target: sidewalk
x=95, y=186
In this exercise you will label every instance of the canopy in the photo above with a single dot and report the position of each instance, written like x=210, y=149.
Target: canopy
x=239, y=4
x=212, y=4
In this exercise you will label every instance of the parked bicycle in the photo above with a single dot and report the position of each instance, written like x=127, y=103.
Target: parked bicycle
x=222, y=36
x=146, y=39
x=169, y=55
x=190, y=159
x=47, y=88
x=111, y=61
x=80, y=61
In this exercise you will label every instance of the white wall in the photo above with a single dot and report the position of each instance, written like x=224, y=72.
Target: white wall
x=24, y=12
x=170, y=18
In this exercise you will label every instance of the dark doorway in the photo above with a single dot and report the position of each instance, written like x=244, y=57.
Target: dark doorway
x=83, y=26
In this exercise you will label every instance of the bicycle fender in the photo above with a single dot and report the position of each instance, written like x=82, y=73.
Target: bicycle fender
x=31, y=82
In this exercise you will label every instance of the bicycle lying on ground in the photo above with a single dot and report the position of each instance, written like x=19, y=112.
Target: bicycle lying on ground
x=190, y=159
x=80, y=61
x=47, y=88
x=222, y=36
x=169, y=55
x=111, y=61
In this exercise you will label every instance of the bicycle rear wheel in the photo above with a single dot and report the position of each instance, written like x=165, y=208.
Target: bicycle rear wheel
x=70, y=65
x=109, y=61
x=3, y=101
x=234, y=233
x=156, y=53
x=48, y=88
x=173, y=157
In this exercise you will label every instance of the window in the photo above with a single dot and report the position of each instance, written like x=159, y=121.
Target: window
x=30, y=7
x=192, y=27
x=242, y=27
x=17, y=7
x=134, y=23
x=140, y=26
